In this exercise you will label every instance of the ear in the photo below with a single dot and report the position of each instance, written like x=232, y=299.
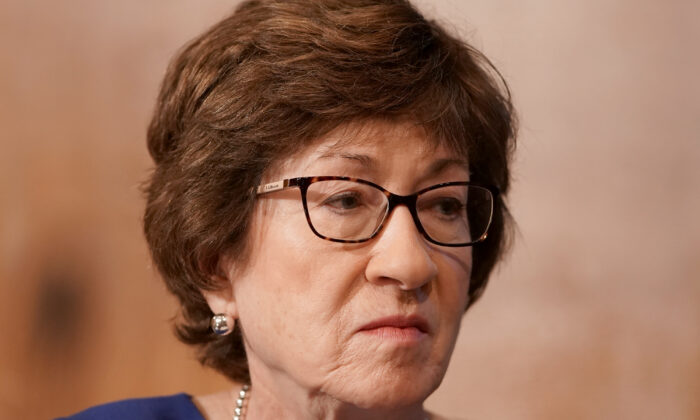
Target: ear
x=222, y=299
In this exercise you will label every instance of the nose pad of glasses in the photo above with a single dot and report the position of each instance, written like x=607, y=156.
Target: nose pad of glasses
x=380, y=219
x=407, y=202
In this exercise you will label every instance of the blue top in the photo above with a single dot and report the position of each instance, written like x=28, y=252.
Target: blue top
x=172, y=407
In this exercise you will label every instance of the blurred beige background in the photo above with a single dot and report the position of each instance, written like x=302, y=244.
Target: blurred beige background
x=595, y=315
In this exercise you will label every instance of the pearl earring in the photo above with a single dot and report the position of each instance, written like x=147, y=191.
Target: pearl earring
x=222, y=324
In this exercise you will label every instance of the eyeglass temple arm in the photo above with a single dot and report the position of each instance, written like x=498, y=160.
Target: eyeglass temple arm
x=276, y=186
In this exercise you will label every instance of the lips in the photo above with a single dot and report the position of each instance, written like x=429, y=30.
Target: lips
x=398, y=322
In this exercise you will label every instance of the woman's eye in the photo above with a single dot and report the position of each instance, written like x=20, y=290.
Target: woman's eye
x=343, y=201
x=448, y=206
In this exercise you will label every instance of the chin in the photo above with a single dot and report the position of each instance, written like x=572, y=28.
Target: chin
x=394, y=399
x=392, y=391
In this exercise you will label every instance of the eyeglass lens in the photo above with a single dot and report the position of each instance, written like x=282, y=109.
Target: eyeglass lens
x=348, y=210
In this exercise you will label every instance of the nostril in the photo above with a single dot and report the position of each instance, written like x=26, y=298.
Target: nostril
x=417, y=295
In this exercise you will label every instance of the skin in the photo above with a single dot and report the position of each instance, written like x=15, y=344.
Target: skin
x=300, y=300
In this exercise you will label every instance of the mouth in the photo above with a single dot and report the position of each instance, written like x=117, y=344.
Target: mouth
x=397, y=328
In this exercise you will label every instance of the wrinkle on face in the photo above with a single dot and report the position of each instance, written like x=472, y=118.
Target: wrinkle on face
x=301, y=299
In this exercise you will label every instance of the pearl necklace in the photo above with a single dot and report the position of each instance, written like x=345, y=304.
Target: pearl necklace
x=238, y=413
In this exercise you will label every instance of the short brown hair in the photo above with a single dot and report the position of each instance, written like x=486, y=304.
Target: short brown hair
x=277, y=75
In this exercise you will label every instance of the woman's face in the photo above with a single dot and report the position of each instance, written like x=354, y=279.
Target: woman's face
x=374, y=323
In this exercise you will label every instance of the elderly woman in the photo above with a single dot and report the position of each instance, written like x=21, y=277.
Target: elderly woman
x=327, y=201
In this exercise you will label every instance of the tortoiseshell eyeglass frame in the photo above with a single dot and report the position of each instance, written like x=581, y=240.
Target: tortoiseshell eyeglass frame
x=394, y=200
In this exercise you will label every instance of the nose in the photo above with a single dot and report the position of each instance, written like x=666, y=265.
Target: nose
x=401, y=254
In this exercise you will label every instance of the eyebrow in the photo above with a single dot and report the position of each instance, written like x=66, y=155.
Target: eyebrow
x=442, y=164
x=371, y=163
x=363, y=160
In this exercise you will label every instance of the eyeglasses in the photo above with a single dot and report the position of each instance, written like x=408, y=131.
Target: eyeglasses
x=351, y=210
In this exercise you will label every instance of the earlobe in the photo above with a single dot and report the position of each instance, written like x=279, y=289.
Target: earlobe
x=221, y=301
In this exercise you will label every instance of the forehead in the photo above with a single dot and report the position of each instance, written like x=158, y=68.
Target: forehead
x=376, y=135
x=371, y=144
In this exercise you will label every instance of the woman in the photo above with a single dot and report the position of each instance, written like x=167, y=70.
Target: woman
x=327, y=201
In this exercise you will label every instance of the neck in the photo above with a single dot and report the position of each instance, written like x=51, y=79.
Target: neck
x=263, y=407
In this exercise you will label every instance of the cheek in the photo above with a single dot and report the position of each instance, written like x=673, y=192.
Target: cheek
x=451, y=296
x=294, y=292
x=455, y=268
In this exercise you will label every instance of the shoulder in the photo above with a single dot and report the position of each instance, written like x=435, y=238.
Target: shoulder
x=172, y=407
